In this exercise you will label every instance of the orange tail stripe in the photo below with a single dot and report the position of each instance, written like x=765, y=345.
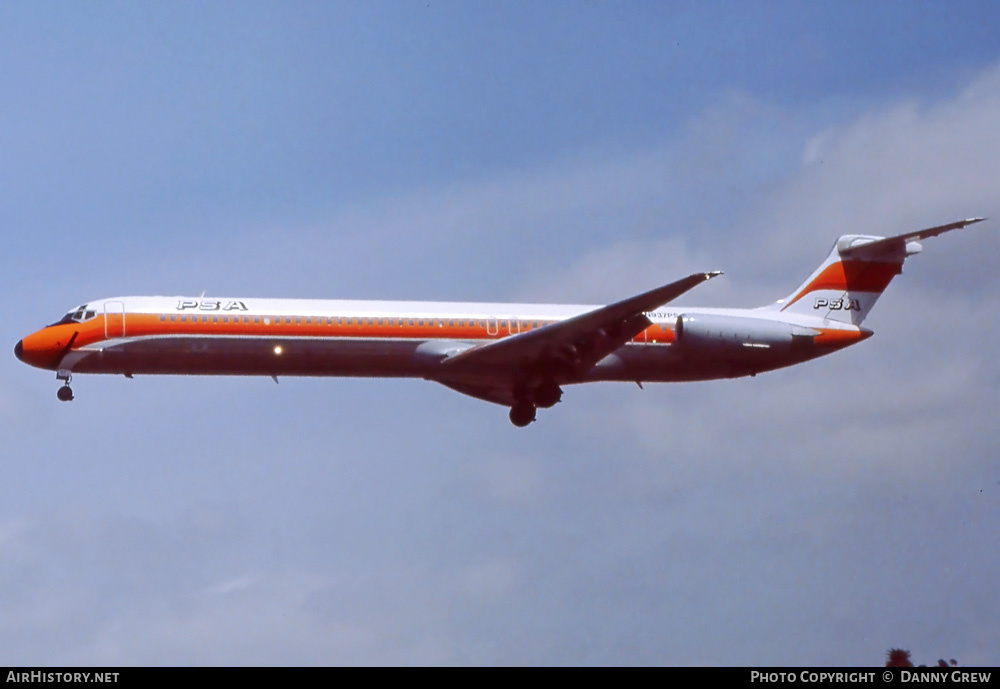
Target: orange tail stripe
x=852, y=276
x=835, y=338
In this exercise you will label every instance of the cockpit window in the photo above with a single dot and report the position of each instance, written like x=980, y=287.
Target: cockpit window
x=78, y=315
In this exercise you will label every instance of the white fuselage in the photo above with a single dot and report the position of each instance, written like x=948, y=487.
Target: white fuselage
x=247, y=336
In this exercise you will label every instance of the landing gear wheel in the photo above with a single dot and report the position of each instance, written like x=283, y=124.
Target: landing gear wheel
x=65, y=394
x=522, y=413
x=548, y=395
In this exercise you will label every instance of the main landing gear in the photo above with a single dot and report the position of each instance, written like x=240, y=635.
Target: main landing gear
x=522, y=413
x=65, y=393
x=546, y=395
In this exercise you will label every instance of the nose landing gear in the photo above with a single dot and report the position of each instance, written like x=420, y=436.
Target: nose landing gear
x=65, y=393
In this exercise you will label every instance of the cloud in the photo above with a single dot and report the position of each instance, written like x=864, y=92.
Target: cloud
x=905, y=166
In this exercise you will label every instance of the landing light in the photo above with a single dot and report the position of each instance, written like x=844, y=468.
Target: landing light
x=278, y=349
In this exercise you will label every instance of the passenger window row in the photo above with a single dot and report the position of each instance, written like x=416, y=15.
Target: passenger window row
x=340, y=320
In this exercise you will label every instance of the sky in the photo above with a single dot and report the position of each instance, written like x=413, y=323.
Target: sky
x=501, y=151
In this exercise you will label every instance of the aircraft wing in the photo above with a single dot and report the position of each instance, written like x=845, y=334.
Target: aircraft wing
x=575, y=344
x=881, y=246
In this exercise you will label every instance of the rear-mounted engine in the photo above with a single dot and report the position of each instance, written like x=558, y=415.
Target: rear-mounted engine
x=710, y=332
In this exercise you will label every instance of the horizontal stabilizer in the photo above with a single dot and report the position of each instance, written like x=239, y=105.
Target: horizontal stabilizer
x=865, y=248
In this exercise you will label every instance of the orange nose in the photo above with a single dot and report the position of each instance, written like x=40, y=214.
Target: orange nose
x=46, y=348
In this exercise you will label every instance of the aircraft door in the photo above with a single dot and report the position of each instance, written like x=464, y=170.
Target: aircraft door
x=114, y=319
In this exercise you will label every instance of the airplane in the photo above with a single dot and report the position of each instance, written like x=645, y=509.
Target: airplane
x=517, y=355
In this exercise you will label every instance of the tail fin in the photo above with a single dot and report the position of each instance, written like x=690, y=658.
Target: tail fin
x=852, y=278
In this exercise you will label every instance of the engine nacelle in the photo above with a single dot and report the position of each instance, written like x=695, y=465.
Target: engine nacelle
x=717, y=333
